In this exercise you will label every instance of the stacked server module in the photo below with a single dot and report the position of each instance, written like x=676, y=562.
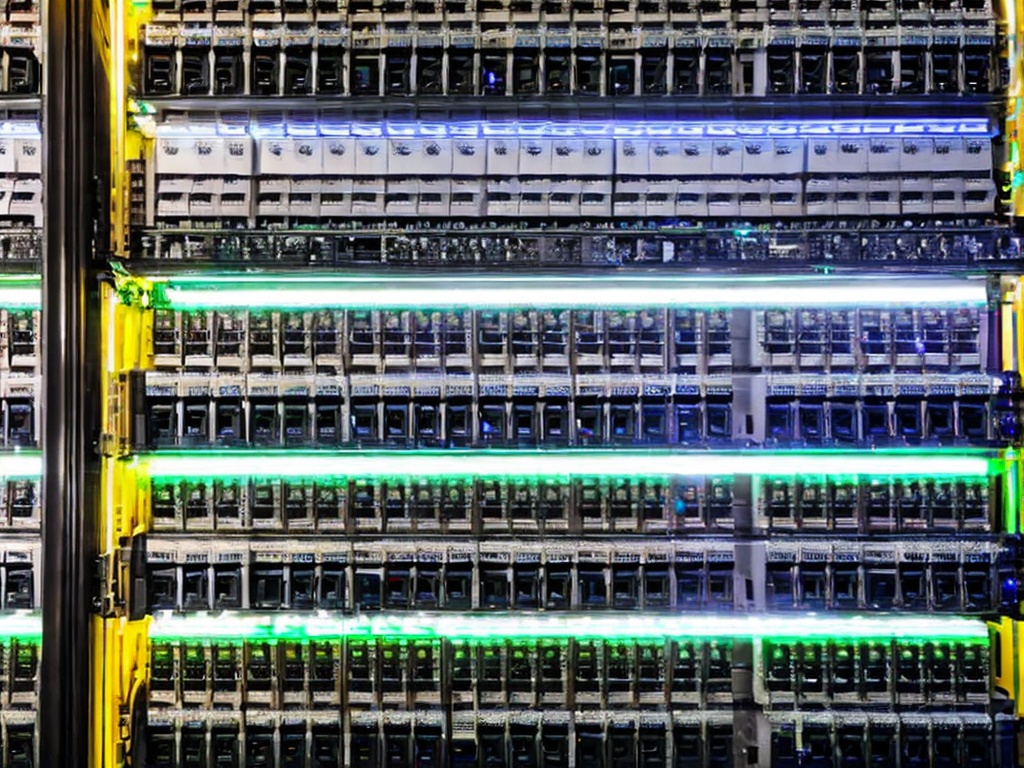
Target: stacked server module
x=427, y=446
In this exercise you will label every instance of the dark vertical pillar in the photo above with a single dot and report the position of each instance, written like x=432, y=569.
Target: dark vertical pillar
x=69, y=399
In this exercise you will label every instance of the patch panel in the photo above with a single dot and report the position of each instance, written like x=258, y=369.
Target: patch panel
x=621, y=55
x=848, y=242
x=357, y=674
x=654, y=507
x=263, y=574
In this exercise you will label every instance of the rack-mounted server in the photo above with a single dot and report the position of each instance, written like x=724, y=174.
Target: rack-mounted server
x=565, y=50
x=545, y=374
x=267, y=574
x=531, y=341
x=287, y=172
x=520, y=244
x=623, y=506
x=633, y=740
x=613, y=675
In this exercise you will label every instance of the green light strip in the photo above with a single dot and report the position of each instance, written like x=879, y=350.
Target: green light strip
x=960, y=463
x=534, y=626
x=23, y=626
x=623, y=292
x=21, y=292
x=19, y=463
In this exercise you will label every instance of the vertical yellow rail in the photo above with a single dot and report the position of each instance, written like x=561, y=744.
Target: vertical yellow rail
x=120, y=645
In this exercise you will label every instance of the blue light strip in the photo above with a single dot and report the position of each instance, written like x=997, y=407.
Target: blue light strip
x=591, y=129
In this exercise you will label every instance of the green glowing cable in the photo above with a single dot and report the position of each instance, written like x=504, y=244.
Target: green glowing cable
x=21, y=626
x=532, y=626
x=21, y=464
x=21, y=291
x=622, y=292
x=888, y=463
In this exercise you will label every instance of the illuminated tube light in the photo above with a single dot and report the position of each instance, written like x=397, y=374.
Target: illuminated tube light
x=20, y=292
x=594, y=129
x=21, y=464
x=605, y=292
x=24, y=626
x=611, y=626
x=564, y=464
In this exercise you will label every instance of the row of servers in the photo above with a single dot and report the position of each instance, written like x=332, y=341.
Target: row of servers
x=693, y=418
x=494, y=60
x=193, y=575
x=632, y=741
x=330, y=9
x=423, y=521
x=188, y=203
x=833, y=507
x=846, y=242
x=280, y=149
x=525, y=341
x=402, y=675
x=270, y=11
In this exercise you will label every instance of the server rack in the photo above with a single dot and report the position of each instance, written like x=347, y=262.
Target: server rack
x=502, y=383
x=21, y=224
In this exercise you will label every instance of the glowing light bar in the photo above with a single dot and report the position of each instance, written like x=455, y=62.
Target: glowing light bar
x=564, y=464
x=597, y=129
x=21, y=292
x=610, y=626
x=24, y=626
x=25, y=464
x=560, y=292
